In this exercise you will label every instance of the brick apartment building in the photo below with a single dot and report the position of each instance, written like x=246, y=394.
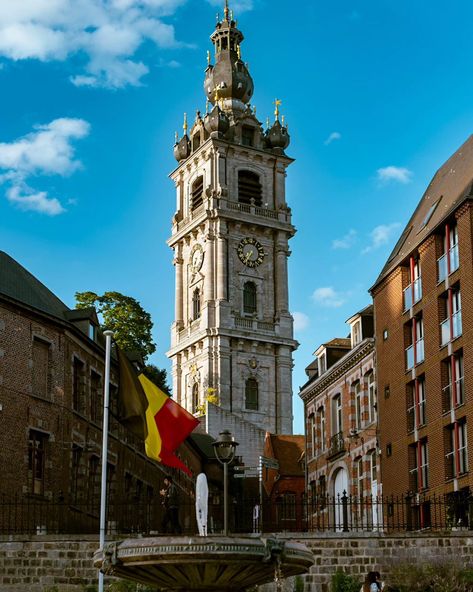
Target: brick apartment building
x=423, y=303
x=341, y=419
x=51, y=401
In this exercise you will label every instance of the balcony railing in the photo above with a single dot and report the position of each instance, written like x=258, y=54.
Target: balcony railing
x=451, y=327
x=251, y=324
x=442, y=262
x=449, y=392
x=415, y=354
x=337, y=445
x=412, y=294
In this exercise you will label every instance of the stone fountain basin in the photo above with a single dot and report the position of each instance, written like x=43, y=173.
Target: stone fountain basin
x=213, y=563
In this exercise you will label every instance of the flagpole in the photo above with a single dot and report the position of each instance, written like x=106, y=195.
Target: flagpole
x=103, y=490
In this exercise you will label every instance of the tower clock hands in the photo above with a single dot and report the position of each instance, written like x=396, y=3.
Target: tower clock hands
x=248, y=256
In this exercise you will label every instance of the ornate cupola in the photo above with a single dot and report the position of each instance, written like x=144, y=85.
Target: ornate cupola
x=228, y=81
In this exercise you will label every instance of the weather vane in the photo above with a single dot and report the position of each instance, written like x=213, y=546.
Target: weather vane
x=277, y=104
x=184, y=127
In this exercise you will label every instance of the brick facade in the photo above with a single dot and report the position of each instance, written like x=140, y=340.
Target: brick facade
x=51, y=398
x=424, y=427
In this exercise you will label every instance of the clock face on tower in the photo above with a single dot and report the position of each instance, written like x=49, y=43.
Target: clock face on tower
x=250, y=252
x=197, y=258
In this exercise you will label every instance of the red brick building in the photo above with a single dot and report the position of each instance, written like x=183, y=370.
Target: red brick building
x=423, y=302
x=340, y=404
x=284, y=507
x=51, y=406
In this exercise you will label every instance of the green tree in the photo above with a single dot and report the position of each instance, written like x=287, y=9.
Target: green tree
x=158, y=376
x=131, y=325
x=125, y=316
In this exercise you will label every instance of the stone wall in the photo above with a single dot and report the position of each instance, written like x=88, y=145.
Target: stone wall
x=39, y=563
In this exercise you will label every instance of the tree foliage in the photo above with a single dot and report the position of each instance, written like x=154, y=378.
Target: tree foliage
x=158, y=376
x=125, y=316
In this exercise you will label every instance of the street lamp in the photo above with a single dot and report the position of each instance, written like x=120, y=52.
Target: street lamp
x=225, y=447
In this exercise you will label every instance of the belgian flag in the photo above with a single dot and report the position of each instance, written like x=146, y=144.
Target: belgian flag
x=152, y=416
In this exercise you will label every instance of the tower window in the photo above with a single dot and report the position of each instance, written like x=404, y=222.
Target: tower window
x=195, y=142
x=249, y=298
x=196, y=304
x=251, y=394
x=195, y=397
x=247, y=135
x=249, y=188
x=36, y=461
x=197, y=193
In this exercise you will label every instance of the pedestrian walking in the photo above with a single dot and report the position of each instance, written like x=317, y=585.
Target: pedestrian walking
x=171, y=507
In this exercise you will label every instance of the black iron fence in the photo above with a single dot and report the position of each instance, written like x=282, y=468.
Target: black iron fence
x=33, y=515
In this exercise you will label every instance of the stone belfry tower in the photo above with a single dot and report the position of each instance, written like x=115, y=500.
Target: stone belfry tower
x=232, y=336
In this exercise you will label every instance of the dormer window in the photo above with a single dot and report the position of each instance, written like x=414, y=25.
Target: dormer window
x=322, y=362
x=92, y=331
x=356, y=333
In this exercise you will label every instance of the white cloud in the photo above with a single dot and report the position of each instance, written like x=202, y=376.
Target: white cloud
x=108, y=33
x=301, y=321
x=381, y=235
x=328, y=297
x=393, y=173
x=46, y=151
x=347, y=241
x=334, y=136
x=235, y=5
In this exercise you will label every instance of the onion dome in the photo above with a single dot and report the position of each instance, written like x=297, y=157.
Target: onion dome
x=216, y=123
x=182, y=147
x=277, y=136
x=229, y=77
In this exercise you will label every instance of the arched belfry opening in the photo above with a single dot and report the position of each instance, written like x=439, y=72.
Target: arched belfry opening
x=249, y=188
x=197, y=194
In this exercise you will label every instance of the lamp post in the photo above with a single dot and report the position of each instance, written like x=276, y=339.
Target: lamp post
x=225, y=447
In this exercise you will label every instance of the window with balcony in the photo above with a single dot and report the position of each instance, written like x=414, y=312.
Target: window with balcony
x=418, y=466
x=249, y=188
x=36, y=461
x=197, y=193
x=413, y=292
x=451, y=326
x=456, y=449
x=449, y=261
x=416, y=404
x=337, y=444
x=453, y=393
x=249, y=298
x=414, y=332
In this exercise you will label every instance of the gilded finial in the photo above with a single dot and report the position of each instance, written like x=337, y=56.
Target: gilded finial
x=283, y=120
x=239, y=52
x=184, y=127
x=267, y=123
x=231, y=15
x=176, y=137
x=218, y=17
x=277, y=104
x=208, y=58
x=226, y=10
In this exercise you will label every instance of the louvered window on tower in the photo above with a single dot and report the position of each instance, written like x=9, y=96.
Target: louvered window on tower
x=249, y=298
x=249, y=188
x=197, y=193
x=251, y=394
x=196, y=304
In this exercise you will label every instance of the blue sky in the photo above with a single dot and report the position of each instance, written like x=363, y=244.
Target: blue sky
x=377, y=95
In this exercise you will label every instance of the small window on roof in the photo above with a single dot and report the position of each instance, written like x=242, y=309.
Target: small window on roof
x=429, y=215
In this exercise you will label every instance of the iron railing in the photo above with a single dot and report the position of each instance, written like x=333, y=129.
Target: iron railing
x=342, y=513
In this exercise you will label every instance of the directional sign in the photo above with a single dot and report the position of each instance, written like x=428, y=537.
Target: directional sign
x=270, y=463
